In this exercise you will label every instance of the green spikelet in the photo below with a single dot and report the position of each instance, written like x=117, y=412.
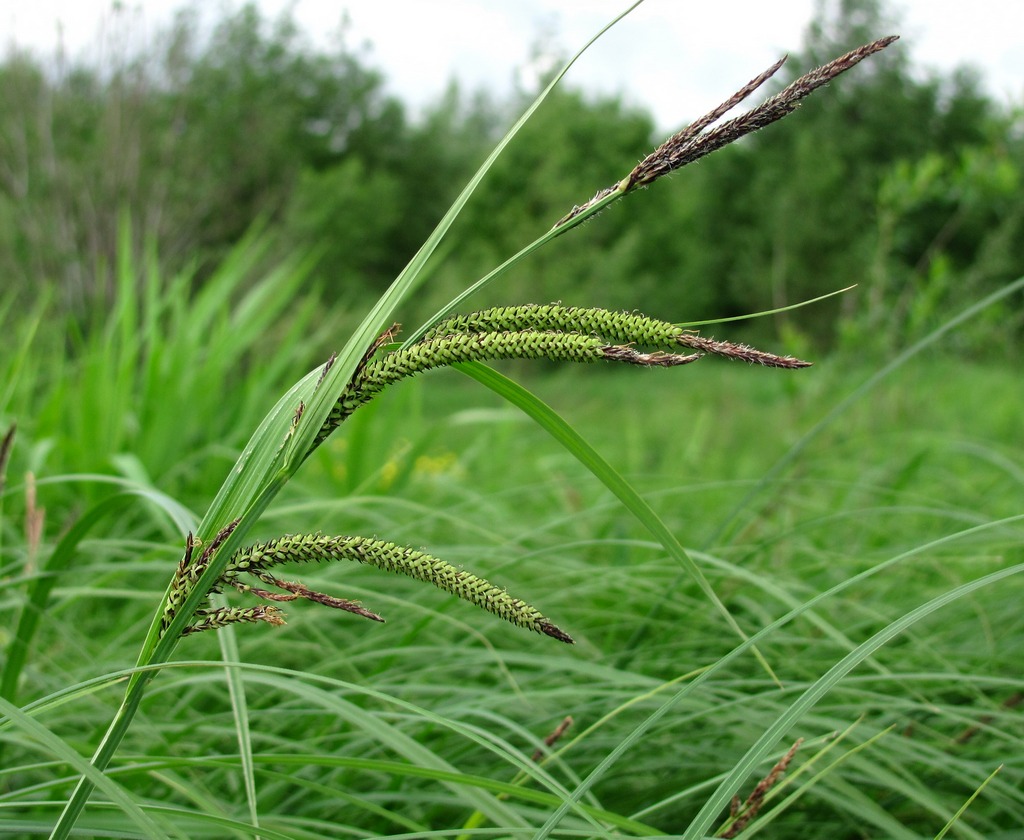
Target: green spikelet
x=612, y=327
x=444, y=350
x=215, y=619
x=258, y=559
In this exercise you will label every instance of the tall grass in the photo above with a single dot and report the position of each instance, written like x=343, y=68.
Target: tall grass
x=412, y=727
x=402, y=728
x=872, y=564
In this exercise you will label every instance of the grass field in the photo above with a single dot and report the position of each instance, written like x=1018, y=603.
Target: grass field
x=794, y=594
x=868, y=540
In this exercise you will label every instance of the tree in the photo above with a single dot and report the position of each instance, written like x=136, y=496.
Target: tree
x=193, y=139
x=792, y=212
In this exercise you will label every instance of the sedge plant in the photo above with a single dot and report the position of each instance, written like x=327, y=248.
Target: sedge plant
x=218, y=557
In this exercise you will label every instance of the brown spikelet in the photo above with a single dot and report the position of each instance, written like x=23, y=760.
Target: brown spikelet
x=298, y=590
x=700, y=139
x=688, y=145
x=553, y=737
x=190, y=569
x=326, y=368
x=6, y=445
x=741, y=815
x=632, y=357
x=742, y=352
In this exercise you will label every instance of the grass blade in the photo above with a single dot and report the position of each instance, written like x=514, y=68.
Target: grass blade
x=281, y=444
x=60, y=750
x=634, y=737
x=558, y=428
x=719, y=800
x=40, y=589
x=837, y=411
x=963, y=808
x=859, y=393
x=240, y=715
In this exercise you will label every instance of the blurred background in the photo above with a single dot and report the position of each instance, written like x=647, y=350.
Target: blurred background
x=198, y=204
x=345, y=133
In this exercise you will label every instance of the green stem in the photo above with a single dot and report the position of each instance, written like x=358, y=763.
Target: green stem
x=245, y=496
x=103, y=755
x=511, y=261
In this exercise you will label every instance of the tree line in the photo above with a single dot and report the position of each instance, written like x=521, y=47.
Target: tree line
x=905, y=183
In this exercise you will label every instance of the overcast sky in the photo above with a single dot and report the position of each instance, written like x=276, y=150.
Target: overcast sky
x=676, y=58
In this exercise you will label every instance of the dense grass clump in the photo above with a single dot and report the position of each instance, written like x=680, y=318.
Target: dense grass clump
x=419, y=723
x=794, y=601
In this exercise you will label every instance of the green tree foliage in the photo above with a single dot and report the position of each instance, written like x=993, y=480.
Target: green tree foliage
x=808, y=206
x=368, y=210
x=904, y=183
x=69, y=150
x=196, y=140
x=257, y=105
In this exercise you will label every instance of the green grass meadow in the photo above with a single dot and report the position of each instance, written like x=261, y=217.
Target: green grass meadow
x=863, y=530
x=795, y=594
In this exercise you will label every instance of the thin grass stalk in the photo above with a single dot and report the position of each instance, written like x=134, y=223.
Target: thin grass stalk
x=292, y=445
x=715, y=804
x=627, y=743
x=963, y=808
x=291, y=433
x=240, y=715
x=764, y=313
x=797, y=449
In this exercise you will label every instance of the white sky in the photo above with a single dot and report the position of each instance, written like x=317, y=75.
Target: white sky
x=677, y=58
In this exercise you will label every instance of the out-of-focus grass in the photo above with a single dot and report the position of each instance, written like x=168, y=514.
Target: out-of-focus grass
x=380, y=730
x=428, y=724
x=416, y=725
